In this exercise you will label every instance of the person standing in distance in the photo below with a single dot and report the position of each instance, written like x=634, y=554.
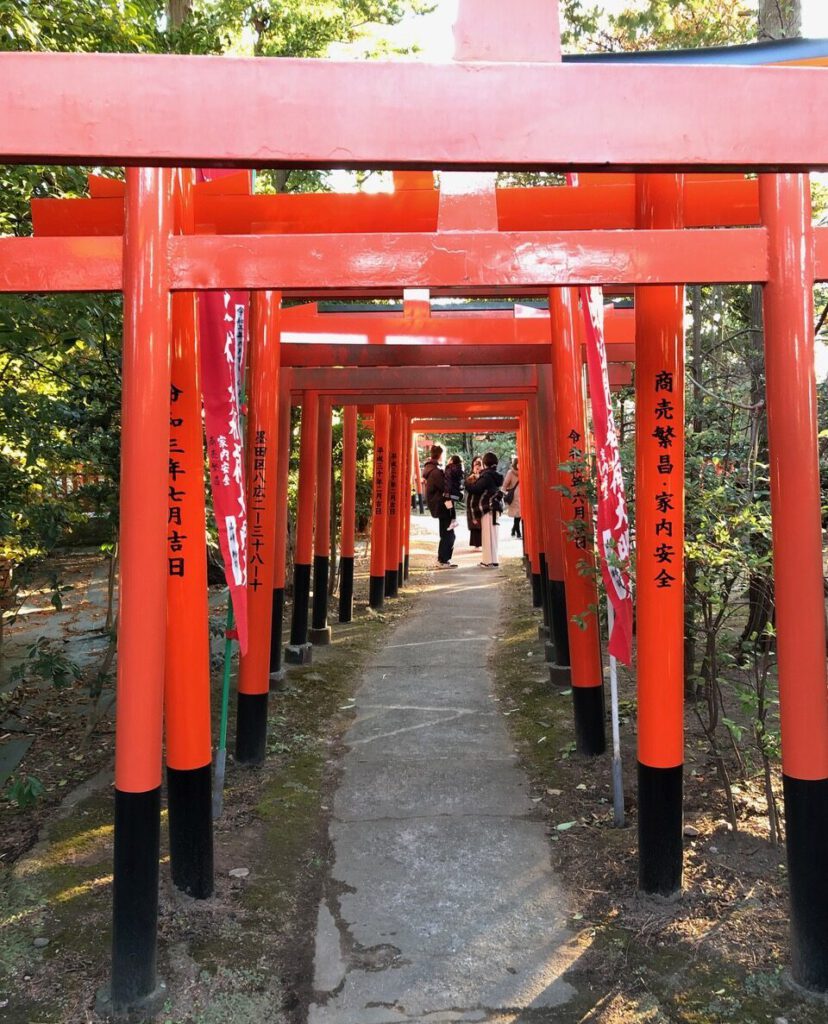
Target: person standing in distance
x=487, y=487
x=440, y=506
x=473, y=505
x=510, y=484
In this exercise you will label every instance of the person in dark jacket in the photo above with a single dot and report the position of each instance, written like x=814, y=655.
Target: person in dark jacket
x=473, y=504
x=440, y=506
x=454, y=484
x=454, y=478
x=512, y=483
x=487, y=488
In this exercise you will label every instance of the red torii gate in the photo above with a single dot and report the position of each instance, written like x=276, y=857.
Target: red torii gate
x=721, y=128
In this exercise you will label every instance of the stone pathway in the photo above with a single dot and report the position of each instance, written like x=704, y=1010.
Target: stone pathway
x=441, y=904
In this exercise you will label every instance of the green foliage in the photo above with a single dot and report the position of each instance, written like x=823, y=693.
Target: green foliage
x=24, y=790
x=467, y=446
x=46, y=661
x=59, y=416
x=60, y=354
x=304, y=28
x=658, y=24
x=102, y=26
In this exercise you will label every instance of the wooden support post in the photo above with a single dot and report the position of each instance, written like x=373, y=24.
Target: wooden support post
x=553, y=583
x=785, y=201
x=145, y=444
x=346, y=546
x=379, y=504
x=538, y=477
x=392, y=536
x=298, y=651
x=187, y=676
x=405, y=498
x=262, y=495
x=576, y=520
x=659, y=414
x=320, y=633
x=534, y=518
x=417, y=471
x=284, y=441
x=528, y=501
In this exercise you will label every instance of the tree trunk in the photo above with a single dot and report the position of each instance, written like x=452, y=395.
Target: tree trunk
x=690, y=567
x=179, y=11
x=332, y=576
x=468, y=450
x=110, y=588
x=760, y=585
x=780, y=19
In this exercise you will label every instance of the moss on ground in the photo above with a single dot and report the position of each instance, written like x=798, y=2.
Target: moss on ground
x=244, y=955
x=642, y=961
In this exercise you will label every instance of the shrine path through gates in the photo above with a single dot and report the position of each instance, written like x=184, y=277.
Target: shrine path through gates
x=440, y=903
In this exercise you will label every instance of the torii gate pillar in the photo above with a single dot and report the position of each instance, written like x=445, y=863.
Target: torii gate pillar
x=785, y=201
x=277, y=669
x=320, y=633
x=382, y=433
x=145, y=444
x=346, y=547
x=659, y=474
x=262, y=426
x=299, y=650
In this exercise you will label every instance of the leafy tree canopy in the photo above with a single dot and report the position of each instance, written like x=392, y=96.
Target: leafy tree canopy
x=289, y=28
x=658, y=24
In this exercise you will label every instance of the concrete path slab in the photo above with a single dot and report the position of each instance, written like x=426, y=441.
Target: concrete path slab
x=441, y=904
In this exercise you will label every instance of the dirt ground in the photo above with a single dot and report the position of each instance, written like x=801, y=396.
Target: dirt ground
x=244, y=955
x=63, y=736
x=715, y=955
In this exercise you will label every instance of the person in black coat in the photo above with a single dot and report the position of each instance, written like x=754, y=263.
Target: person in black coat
x=440, y=505
x=487, y=489
x=473, y=505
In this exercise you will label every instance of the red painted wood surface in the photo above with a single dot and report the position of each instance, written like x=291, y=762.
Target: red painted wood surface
x=145, y=445
x=393, y=114
x=659, y=469
x=262, y=489
x=795, y=483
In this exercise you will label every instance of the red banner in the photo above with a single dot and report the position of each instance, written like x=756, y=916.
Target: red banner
x=222, y=332
x=613, y=524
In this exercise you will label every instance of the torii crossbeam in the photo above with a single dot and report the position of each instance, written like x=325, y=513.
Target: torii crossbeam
x=514, y=105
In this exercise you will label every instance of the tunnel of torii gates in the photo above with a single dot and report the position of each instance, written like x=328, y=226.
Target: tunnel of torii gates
x=676, y=209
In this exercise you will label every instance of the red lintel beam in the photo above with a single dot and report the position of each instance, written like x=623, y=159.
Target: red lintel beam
x=494, y=405
x=440, y=327
x=496, y=261
x=396, y=378
x=700, y=256
x=61, y=264
x=608, y=201
x=344, y=356
x=482, y=403
x=392, y=114
x=316, y=355
x=464, y=426
x=598, y=201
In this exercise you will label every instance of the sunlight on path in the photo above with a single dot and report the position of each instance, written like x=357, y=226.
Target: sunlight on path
x=441, y=904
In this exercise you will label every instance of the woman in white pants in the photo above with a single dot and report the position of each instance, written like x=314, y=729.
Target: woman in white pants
x=487, y=486
x=489, y=528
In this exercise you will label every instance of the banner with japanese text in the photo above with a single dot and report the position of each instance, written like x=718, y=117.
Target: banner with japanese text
x=613, y=523
x=223, y=327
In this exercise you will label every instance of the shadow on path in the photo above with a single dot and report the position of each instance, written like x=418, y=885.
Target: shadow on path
x=440, y=904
